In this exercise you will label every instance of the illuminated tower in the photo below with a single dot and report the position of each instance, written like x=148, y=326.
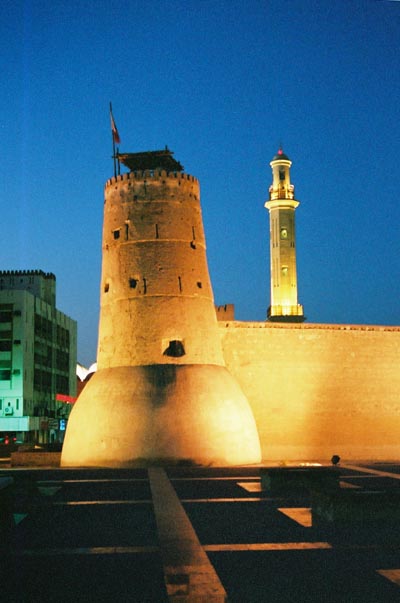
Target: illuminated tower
x=161, y=391
x=281, y=206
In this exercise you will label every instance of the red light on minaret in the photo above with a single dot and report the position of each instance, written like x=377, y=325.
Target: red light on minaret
x=280, y=152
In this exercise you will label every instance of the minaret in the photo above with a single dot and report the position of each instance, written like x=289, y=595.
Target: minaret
x=281, y=206
x=161, y=392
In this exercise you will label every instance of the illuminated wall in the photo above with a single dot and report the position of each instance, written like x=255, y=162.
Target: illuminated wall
x=318, y=390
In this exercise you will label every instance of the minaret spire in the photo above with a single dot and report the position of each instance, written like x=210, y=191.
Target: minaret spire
x=281, y=205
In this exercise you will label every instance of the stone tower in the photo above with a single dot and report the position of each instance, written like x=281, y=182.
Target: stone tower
x=281, y=206
x=161, y=391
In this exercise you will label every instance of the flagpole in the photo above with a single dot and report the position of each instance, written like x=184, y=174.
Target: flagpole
x=113, y=145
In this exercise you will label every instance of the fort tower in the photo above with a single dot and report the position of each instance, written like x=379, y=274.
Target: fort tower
x=281, y=205
x=161, y=391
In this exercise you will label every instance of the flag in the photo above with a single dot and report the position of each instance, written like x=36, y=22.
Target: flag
x=114, y=129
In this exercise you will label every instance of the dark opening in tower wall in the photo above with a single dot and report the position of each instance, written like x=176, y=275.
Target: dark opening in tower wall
x=175, y=349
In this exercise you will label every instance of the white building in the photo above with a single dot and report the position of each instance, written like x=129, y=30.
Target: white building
x=38, y=346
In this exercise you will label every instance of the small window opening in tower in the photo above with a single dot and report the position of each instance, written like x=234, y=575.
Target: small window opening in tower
x=199, y=284
x=106, y=287
x=144, y=286
x=284, y=270
x=116, y=234
x=156, y=225
x=175, y=349
x=282, y=174
x=193, y=233
x=133, y=282
x=126, y=231
x=192, y=244
x=180, y=283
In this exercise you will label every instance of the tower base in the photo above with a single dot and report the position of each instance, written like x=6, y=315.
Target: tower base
x=161, y=413
x=292, y=314
x=286, y=318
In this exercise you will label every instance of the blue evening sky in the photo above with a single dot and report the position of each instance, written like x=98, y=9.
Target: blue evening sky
x=223, y=84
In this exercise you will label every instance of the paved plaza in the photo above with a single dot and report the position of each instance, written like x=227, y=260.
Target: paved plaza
x=192, y=534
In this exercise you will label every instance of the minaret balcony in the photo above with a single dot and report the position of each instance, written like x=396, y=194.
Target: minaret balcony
x=281, y=193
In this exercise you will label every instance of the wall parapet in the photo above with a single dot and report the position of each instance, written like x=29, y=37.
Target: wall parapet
x=141, y=176
x=235, y=324
x=49, y=275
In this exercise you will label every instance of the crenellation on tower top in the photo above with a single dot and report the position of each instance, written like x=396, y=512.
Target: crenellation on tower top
x=157, y=177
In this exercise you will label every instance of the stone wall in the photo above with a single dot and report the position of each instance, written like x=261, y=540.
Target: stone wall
x=318, y=390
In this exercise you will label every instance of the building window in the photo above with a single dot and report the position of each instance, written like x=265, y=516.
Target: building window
x=281, y=174
x=43, y=327
x=180, y=283
x=5, y=375
x=199, y=284
x=132, y=283
x=106, y=288
x=116, y=234
x=284, y=270
x=5, y=346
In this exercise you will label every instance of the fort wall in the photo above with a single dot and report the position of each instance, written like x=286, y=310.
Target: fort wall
x=318, y=390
